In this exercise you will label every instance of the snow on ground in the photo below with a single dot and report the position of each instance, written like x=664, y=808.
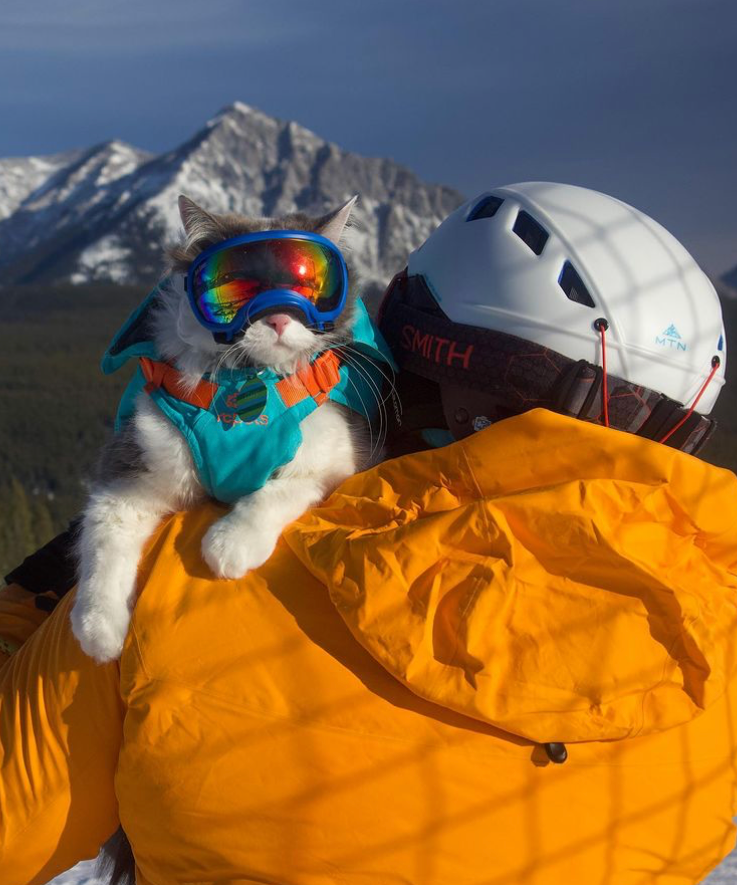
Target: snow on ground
x=726, y=874
x=83, y=874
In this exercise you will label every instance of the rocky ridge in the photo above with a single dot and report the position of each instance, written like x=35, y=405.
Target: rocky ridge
x=102, y=214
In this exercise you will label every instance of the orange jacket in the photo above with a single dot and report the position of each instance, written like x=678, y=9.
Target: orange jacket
x=367, y=706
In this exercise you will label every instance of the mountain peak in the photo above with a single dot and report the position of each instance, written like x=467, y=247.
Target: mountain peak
x=237, y=110
x=240, y=107
x=117, y=145
x=106, y=212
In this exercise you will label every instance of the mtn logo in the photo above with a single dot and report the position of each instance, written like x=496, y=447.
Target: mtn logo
x=671, y=338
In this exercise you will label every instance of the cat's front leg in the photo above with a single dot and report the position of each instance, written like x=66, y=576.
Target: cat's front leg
x=116, y=524
x=146, y=471
x=246, y=537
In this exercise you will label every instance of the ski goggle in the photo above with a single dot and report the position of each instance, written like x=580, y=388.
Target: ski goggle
x=236, y=282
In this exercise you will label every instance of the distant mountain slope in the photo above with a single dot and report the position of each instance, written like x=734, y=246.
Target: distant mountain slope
x=730, y=278
x=21, y=176
x=103, y=214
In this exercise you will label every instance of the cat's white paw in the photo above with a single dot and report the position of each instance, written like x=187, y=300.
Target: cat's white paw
x=100, y=631
x=232, y=548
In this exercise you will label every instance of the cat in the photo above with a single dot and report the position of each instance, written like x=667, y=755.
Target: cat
x=147, y=470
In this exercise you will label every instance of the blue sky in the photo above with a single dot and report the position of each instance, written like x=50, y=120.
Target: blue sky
x=637, y=98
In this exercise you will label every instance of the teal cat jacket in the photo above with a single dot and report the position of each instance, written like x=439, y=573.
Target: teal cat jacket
x=245, y=424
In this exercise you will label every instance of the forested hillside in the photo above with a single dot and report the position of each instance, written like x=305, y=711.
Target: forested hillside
x=56, y=406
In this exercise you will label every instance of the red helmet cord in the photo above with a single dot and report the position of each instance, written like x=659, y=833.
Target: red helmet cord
x=715, y=363
x=602, y=325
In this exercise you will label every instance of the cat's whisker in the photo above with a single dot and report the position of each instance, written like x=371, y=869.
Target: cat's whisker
x=376, y=392
x=360, y=371
x=390, y=379
x=221, y=357
x=392, y=391
x=374, y=447
x=224, y=359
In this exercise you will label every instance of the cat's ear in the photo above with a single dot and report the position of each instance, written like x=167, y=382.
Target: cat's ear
x=333, y=224
x=198, y=223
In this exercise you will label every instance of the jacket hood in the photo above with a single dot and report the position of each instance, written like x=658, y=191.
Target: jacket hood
x=560, y=580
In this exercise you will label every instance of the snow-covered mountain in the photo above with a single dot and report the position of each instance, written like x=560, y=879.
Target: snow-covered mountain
x=104, y=213
x=21, y=176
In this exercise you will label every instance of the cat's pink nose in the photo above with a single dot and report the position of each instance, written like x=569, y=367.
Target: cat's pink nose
x=279, y=322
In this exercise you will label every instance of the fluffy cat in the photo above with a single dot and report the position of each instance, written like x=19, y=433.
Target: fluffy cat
x=147, y=470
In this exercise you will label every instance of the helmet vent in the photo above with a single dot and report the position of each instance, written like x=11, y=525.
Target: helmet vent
x=572, y=284
x=485, y=208
x=530, y=232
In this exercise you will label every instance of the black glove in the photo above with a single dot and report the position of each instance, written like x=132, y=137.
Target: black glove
x=52, y=569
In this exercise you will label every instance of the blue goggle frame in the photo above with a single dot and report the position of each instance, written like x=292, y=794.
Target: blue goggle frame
x=321, y=320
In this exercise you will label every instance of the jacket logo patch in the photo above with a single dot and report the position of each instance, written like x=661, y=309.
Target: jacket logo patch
x=671, y=338
x=443, y=351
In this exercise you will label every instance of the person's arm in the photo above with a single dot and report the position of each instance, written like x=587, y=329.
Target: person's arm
x=61, y=720
x=33, y=590
x=19, y=618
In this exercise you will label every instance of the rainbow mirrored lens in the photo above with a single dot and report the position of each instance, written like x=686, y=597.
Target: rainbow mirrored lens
x=227, y=280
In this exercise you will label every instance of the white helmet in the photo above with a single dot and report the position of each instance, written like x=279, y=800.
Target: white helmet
x=544, y=262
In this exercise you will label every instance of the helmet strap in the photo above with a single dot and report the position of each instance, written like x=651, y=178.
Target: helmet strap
x=715, y=363
x=484, y=373
x=602, y=325
x=632, y=408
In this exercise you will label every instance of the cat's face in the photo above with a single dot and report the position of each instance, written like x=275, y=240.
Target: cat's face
x=280, y=340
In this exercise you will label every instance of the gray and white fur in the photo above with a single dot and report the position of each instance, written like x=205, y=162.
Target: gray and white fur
x=147, y=471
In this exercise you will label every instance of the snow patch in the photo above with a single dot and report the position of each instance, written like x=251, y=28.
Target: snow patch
x=82, y=874
x=106, y=259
